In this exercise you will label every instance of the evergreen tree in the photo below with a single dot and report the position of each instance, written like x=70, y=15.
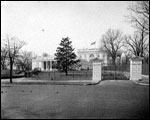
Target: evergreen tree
x=65, y=56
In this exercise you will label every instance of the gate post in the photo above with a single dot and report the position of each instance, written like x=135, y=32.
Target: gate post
x=136, y=68
x=97, y=70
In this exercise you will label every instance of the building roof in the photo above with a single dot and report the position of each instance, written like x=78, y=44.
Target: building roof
x=96, y=60
x=101, y=49
x=92, y=50
x=47, y=58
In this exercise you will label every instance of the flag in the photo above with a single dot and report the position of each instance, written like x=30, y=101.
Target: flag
x=93, y=43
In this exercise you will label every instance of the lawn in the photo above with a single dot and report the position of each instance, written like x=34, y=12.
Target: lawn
x=118, y=72
x=72, y=75
x=115, y=100
x=111, y=72
x=5, y=74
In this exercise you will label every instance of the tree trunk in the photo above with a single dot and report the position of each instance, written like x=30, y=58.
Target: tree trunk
x=11, y=69
x=113, y=61
x=66, y=71
x=3, y=66
x=142, y=39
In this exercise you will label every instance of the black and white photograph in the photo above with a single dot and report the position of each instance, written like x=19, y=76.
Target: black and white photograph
x=75, y=60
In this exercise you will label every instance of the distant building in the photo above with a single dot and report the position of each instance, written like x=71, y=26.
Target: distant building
x=90, y=54
x=98, y=51
x=46, y=63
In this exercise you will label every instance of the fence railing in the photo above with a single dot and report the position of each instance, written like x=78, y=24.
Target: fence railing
x=57, y=75
x=109, y=72
x=115, y=72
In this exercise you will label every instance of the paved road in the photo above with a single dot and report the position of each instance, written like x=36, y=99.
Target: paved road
x=109, y=99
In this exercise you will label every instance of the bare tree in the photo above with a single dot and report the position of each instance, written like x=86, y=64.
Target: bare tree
x=13, y=45
x=137, y=44
x=112, y=41
x=34, y=55
x=139, y=15
x=4, y=55
x=25, y=60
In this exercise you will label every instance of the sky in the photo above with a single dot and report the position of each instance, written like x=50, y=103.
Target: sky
x=42, y=24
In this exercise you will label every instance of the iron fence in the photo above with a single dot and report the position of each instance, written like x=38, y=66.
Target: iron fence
x=57, y=75
x=115, y=72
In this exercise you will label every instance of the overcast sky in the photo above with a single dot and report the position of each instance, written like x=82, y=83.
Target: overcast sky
x=42, y=24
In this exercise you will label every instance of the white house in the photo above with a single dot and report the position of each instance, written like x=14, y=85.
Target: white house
x=97, y=50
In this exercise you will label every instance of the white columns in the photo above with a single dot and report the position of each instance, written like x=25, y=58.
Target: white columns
x=50, y=65
x=42, y=65
x=46, y=65
x=33, y=65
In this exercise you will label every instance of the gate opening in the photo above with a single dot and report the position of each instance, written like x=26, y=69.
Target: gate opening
x=115, y=72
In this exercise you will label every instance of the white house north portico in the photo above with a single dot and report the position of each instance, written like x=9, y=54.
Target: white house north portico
x=90, y=54
x=97, y=50
x=45, y=63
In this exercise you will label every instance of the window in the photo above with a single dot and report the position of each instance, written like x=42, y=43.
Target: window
x=91, y=56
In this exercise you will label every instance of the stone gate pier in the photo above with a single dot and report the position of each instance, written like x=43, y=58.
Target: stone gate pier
x=136, y=68
x=97, y=70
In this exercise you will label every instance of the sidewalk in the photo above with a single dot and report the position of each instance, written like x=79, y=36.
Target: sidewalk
x=47, y=82
x=144, y=81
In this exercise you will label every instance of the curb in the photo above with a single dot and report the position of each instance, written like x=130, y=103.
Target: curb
x=49, y=83
x=94, y=83
x=139, y=83
x=52, y=83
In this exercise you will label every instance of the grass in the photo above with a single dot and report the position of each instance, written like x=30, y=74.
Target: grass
x=108, y=72
x=80, y=75
x=5, y=74
x=73, y=75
